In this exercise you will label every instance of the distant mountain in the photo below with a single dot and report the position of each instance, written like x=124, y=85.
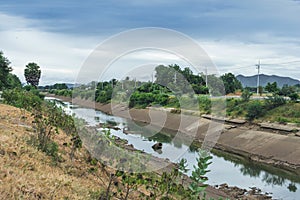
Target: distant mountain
x=70, y=85
x=251, y=81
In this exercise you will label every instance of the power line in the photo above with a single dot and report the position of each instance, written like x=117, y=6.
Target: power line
x=283, y=63
x=280, y=63
x=239, y=67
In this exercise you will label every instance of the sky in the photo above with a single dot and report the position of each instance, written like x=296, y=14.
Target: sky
x=61, y=35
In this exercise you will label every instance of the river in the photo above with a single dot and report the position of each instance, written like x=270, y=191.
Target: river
x=225, y=168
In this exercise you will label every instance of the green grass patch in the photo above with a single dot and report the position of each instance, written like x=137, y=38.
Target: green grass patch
x=288, y=113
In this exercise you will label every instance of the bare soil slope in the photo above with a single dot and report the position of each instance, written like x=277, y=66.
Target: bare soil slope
x=26, y=173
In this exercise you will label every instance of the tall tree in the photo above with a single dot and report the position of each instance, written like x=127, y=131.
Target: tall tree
x=32, y=74
x=272, y=87
x=4, y=71
x=231, y=83
x=179, y=80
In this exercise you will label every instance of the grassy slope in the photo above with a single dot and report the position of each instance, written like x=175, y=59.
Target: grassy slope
x=287, y=113
x=26, y=173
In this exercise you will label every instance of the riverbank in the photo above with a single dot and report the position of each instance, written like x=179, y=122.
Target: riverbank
x=27, y=173
x=282, y=151
x=22, y=160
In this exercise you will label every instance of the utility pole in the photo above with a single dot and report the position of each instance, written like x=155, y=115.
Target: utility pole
x=175, y=77
x=258, y=71
x=134, y=82
x=206, y=76
x=152, y=76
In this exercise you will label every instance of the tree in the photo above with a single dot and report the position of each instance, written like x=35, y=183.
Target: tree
x=294, y=96
x=4, y=71
x=215, y=85
x=287, y=90
x=231, y=83
x=181, y=81
x=60, y=86
x=13, y=81
x=272, y=87
x=246, y=95
x=32, y=74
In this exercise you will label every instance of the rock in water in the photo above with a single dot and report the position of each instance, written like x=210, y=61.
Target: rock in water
x=157, y=146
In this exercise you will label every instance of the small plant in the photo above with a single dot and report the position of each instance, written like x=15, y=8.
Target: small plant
x=76, y=144
x=282, y=120
x=106, y=195
x=44, y=130
x=130, y=182
x=246, y=95
x=182, y=167
x=198, y=175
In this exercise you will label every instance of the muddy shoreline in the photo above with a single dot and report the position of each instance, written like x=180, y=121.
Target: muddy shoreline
x=281, y=151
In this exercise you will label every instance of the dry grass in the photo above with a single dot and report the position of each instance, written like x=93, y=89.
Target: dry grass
x=26, y=173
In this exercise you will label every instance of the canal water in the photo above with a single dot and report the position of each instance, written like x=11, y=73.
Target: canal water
x=225, y=168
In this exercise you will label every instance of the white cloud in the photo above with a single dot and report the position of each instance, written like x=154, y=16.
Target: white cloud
x=61, y=55
x=241, y=58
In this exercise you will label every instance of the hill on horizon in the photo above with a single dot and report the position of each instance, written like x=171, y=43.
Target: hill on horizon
x=251, y=81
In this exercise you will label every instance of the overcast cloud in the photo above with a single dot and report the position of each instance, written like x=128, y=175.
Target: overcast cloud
x=59, y=35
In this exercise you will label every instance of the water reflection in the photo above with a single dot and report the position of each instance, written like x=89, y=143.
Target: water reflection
x=266, y=174
x=247, y=170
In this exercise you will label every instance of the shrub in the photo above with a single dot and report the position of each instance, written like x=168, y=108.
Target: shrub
x=274, y=101
x=22, y=99
x=246, y=95
x=254, y=110
x=204, y=104
x=282, y=120
x=294, y=96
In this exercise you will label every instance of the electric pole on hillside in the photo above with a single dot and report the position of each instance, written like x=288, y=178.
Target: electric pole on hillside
x=175, y=78
x=152, y=76
x=258, y=70
x=206, y=77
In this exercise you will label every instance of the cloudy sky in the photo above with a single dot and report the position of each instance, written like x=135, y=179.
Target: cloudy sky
x=60, y=35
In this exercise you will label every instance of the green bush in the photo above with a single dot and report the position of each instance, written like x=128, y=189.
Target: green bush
x=22, y=99
x=274, y=101
x=254, y=110
x=204, y=103
x=282, y=120
x=294, y=96
x=246, y=95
